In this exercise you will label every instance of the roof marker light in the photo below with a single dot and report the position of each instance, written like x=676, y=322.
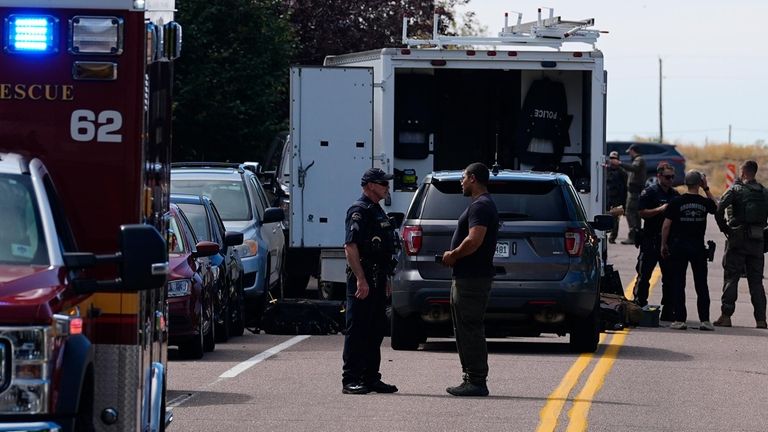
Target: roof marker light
x=31, y=34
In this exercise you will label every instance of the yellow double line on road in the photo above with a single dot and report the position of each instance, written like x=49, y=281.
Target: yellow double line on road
x=550, y=414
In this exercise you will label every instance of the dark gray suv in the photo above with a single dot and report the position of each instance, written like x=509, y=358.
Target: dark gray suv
x=547, y=261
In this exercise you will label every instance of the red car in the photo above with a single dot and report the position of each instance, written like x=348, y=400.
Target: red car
x=191, y=288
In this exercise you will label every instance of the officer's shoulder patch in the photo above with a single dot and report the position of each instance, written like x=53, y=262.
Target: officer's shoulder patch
x=356, y=216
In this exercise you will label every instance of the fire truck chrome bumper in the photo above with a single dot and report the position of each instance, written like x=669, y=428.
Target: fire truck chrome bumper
x=30, y=427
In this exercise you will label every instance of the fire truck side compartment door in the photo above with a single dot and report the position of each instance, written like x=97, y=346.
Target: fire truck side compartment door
x=332, y=145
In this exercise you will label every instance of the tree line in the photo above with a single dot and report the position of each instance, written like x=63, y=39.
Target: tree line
x=231, y=82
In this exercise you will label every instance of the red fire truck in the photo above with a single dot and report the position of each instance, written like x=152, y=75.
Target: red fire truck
x=85, y=138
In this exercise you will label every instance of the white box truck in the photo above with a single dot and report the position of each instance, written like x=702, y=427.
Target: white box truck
x=518, y=99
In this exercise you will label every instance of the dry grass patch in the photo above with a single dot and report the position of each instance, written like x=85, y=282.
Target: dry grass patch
x=711, y=159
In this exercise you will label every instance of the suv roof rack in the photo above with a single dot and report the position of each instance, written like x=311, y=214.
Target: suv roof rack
x=549, y=32
x=235, y=165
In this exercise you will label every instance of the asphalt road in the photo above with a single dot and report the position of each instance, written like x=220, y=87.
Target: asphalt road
x=642, y=379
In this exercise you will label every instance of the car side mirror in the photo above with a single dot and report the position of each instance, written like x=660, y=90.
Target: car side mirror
x=205, y=249
x=145, y=258
x=273, y=214
x=602, y=223
x=233, y=238
x=396, y=218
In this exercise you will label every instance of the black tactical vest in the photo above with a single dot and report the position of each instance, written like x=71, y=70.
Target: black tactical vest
x=379, y=240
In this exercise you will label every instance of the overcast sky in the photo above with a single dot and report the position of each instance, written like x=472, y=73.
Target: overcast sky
x=714, y=54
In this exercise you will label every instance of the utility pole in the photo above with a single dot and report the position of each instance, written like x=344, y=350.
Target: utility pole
x=661, y=117
x=729, y=134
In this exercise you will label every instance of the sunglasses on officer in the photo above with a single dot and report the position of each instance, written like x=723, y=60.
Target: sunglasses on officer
x=381, y=183
x=669, y=176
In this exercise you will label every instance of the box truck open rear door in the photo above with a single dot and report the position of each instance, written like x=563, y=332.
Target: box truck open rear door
x=332, y=145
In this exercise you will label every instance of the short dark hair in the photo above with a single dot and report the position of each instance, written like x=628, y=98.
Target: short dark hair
x=480, y=172
x=750, y=166
x=663, y=166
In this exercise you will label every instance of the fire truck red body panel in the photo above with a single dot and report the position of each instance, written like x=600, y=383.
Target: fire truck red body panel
x=104, y=142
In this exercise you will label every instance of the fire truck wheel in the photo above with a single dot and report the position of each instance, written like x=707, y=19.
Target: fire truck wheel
x=84, y=418
x=223, y=323
x=194, y=347
x=209, y=340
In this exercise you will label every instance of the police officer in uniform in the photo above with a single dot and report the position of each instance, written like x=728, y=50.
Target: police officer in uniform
x=635, y=185
x=616, y=193
x=652, y=204
x=369, y=246
x=748, y=200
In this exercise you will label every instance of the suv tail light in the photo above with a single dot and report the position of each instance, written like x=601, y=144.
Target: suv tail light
x=412, y=239
x=574, y=241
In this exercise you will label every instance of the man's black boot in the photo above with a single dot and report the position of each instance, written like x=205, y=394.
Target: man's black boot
x=355, y=388
x=381, y=387
x=468, y=388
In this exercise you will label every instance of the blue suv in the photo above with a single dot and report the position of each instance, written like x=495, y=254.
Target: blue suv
x=244, y=207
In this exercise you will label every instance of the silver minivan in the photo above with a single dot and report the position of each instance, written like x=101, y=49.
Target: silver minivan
x=547, y=261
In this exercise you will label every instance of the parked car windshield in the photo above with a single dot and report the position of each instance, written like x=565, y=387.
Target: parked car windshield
x=176, y=244
x=230, y=196
x=198, y=219
x=22, y=240
x=515, y=200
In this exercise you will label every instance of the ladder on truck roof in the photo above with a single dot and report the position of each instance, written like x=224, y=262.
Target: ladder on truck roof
x=550, y=32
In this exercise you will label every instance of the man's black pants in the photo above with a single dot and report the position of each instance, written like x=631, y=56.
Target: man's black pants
x=650, y=255
x=680, y=254
x=366, y=325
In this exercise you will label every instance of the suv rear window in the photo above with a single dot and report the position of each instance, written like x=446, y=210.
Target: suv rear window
x=515, y=200
x=230, y=196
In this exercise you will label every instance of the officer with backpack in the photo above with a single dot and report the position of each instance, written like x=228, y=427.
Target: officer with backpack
x=748, y=203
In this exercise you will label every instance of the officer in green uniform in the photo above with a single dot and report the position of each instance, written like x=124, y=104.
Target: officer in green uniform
x=748, y=203
x=635, y=185
x=370, y=243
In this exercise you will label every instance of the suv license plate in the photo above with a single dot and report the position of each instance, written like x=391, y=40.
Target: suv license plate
x=502, y=250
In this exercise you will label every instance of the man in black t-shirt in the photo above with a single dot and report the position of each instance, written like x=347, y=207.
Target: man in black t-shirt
x=682, y=241
x=471, y=256
x=653, y=202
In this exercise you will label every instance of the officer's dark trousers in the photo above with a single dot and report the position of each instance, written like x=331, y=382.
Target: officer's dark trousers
x=615, y=231
x=469, y=298
x=632, y=215
x=741, y=252
x=680, y=254
x=366, y=323
x=650, y=255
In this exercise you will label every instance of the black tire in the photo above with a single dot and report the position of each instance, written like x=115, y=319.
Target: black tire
x=84, y=417
x=405, y=333
x=223, y=323
x=209, y=340
x=585, y=334
x=281, y=287
x=332, y=290
x=238, y=315
x=296, y=280
x=195, y=346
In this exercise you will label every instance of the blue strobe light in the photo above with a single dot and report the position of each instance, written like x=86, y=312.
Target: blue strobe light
x=31, y=34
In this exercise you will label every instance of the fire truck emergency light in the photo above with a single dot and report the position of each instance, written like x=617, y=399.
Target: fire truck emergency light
x=96, y=35
x=31, y=34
